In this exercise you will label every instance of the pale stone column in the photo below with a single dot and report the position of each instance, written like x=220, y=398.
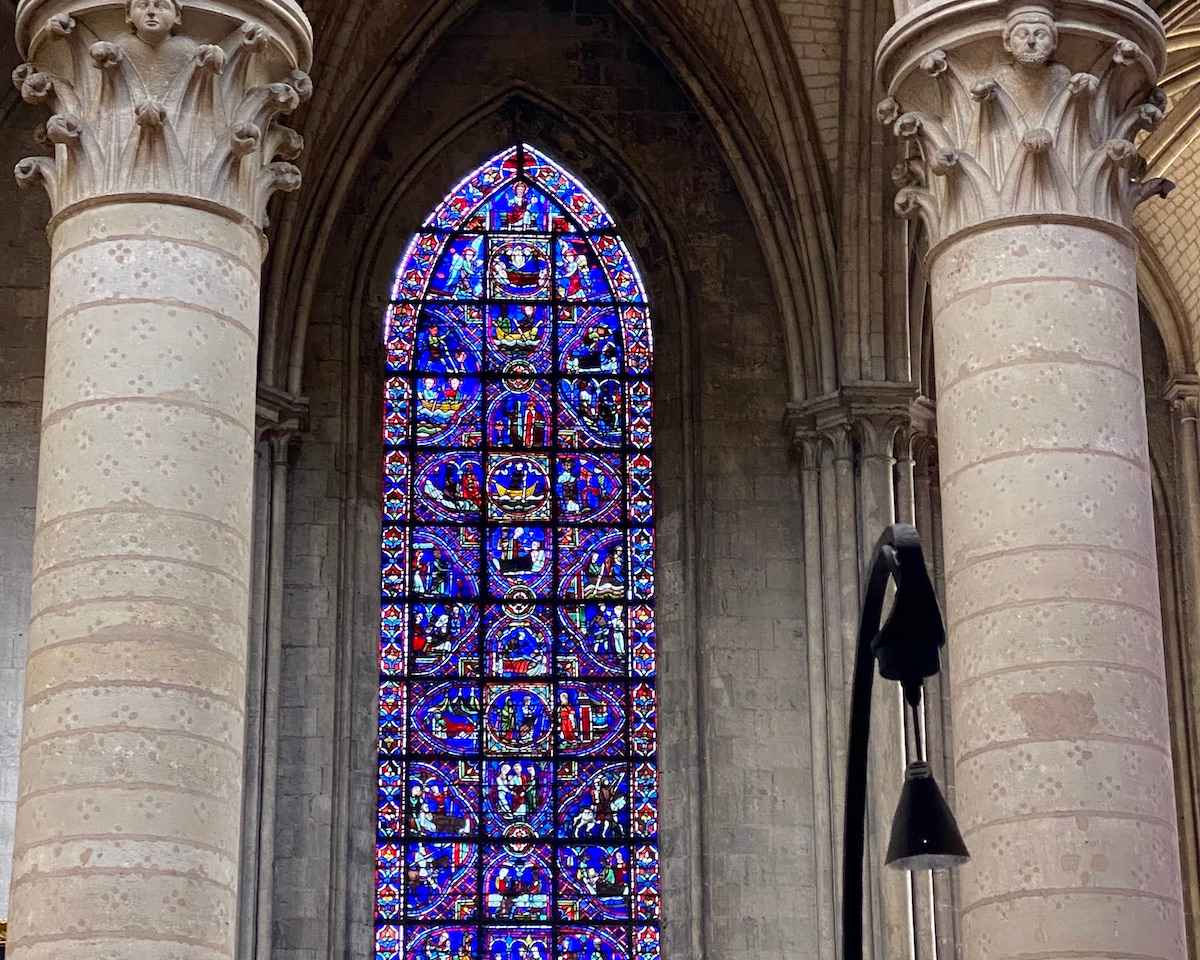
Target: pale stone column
x=165, y=138
x=1019, y=124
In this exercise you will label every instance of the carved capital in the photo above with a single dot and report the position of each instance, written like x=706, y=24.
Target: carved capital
x=1013, y=109
x=279, y=416
x=179, y=101
x=1183, y=394
x=861, y=415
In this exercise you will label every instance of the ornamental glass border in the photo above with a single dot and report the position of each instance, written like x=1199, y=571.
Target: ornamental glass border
x=517, y=814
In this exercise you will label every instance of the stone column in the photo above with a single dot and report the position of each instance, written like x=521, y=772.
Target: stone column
x=165, y=137
x=1018, y=123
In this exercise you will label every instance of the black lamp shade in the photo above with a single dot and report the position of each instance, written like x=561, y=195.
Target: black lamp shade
x=924, y=834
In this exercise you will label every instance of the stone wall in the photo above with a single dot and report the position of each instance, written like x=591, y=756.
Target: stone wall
x=24, y=272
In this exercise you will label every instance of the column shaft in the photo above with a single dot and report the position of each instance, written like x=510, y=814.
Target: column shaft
x=131, y=761
x=1063, y=766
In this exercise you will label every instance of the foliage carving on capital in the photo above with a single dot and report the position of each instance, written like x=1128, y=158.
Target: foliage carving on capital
x=153, y=110
x=1001, y=127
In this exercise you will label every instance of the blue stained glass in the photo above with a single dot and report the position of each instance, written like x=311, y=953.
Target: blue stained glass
x=591, y=563
x=465, y=198
x=519, y=268
x=447, y=410
x=519, y=332
x=594, y=943
x=460, y=270
x=589, y=412
x=445, y=561
x=518, y=882
x=593, y=801
x=449, y=486
x=519, y=640
x=589, y=340
x=518, y=943
x=444, y=719
x=442, y=799
x=448, y=338
x=389, y=941
x=442, y=943
x=579, y=274
x=594, y=883
x=445, y=639
x=590, y=719
x=646, y=882
x=518, y=487
x=442, y=880
x=645, y=800
x=589, y=488
x=520, y=561
x=592, y=640
x=519, y=207
x=517, y=798
x=517, y=813
x=517, y=719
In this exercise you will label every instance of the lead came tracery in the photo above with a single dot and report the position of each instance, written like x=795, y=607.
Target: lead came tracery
x=517, y=743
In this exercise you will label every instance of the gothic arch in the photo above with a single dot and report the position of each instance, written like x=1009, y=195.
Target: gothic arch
x=702, y=264
x=798, y=246
x=377, y=250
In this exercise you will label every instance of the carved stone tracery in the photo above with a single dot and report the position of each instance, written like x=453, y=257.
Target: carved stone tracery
x=141, y=107
x=1024, y=112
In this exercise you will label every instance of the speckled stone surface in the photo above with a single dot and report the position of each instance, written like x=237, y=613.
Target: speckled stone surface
x=1063, y=760
x=128, y=811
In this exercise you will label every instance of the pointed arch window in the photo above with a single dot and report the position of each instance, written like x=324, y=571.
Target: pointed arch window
x=517, y=812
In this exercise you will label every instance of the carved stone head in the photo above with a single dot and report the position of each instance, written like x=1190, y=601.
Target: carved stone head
x=1031, y=35
x=153, y=20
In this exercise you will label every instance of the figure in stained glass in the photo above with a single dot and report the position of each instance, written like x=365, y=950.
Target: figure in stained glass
x=519, y=331
x=593, y=883
x=519, y=413
x=592, y=640
x=590, y=412
x=589, y=488
x=594, y=801
x=441, y=880
x=518, y=883
x=589, y=340
x=518, y=943
x=519, y=208
x=591, y=719
x=517, y=782
x=459, y=275
x=518, y=487
x=520, y=268
x=517, y=719
x=579, y=276
x=442, y=943
x=516, y=800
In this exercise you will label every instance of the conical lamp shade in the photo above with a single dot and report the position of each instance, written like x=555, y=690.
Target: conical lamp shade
x=924, y=834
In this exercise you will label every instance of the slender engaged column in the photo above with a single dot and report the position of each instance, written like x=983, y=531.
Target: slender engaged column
x=165, y=138
x=1019, y=124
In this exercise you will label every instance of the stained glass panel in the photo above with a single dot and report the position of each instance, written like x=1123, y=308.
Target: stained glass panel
x=517, y=812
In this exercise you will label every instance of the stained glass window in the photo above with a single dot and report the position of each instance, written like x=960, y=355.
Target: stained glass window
x=518, y=792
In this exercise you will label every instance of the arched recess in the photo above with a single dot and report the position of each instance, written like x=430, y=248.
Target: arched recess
x=782, y=186
x=721, y=457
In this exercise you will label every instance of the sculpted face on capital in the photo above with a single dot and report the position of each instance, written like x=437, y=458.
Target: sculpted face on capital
x=153, y=20
x=1031, y=37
